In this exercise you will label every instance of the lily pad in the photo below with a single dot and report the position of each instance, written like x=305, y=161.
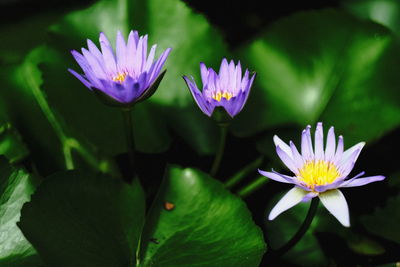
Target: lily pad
x=195, y=221
x=84, y=219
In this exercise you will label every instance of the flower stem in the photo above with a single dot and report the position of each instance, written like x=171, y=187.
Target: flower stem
x=130, y=141
x=244, y=172
x=220, y=152
x=253, y=186
x=303, y=229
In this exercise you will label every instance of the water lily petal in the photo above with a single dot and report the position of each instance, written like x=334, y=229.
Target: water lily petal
x=335, y=202
x=290, y=199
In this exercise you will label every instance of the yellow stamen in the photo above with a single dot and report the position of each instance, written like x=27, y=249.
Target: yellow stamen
x=120, y=77
x=219, y=95
x=315, y=173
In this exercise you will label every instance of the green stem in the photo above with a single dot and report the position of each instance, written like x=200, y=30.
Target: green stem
x=243, y=172
x=303, y=229
x=130, y=140
x=253, y=186
x=220, y=151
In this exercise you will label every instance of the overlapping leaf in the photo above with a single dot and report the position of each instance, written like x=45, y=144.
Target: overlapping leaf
x=83, y=219
x=328, y=66
x=195, y=221
x=16, y=186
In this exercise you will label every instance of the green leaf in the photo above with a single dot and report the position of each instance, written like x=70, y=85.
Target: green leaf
x=328, y=66
x=16, y=186
x=11, y=144
x=195, y=221
x=169, y=24
x=385, y=12
x=84, y=219
x=385, y=221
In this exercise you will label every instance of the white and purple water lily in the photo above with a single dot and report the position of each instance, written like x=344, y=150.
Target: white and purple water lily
x=127, y=76
x=227, y=89
x=318, y=172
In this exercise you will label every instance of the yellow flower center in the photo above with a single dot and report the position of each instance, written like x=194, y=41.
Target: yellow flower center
x=120, y=77
x=315, y=173
x=219, y=95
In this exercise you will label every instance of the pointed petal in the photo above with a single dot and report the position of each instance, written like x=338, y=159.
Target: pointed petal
x=197, y=96
x=286, y=159
x=297, y=158
x=348, y=153
x=81, y=78
x=150, y=58
x=121, y=52
x=346, y=165
x=306, y=144
x=108, y=55
x=95, y=51
x=283, y=145
x=330, y=145
x=363, y=181
x=319, y=142
x=275, y=177
x=335, y=202
x=290, y=199
x=339, y=150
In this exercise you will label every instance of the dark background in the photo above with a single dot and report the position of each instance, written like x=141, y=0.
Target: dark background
x=239, y=22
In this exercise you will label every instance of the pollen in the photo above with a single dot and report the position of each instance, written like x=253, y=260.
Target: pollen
x=120, y=77
x=316, y=173
x=219, y=95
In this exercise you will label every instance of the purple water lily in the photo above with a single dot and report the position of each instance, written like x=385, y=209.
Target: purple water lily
x=318, y=172
x=125, y=77
x=227, y=89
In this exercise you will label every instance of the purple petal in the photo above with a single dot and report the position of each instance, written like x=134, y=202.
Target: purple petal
x=363, y=181
x=159, y=64
x=108, y=55
x=150, y=59
x=197, y=95
x=319, y=142
x=81, y=60
x=121, y=52
x=95, y=66
x=346, y=165
x=330, y=145
x=349, y=152
x=95, y=51
x=131, y=47
x=276, y=177
x=283, y=146
x=81, y=78
x=286, y=159
x=339, y=150
x=297, y=158
x=309, y=196
x=335, y=202
x=203, y=73
x=306, y=144
x=290, y=199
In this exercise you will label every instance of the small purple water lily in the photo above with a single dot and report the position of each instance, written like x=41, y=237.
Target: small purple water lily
x=318, y=172
x=227, y=89
x=125, y=77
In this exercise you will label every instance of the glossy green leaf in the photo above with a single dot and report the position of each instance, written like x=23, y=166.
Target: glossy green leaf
x=387, y=216
x=385, y=12
x=324, y=66
x=11, y=144
x=84, y=219
x=195, y=221
x=16, y=186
